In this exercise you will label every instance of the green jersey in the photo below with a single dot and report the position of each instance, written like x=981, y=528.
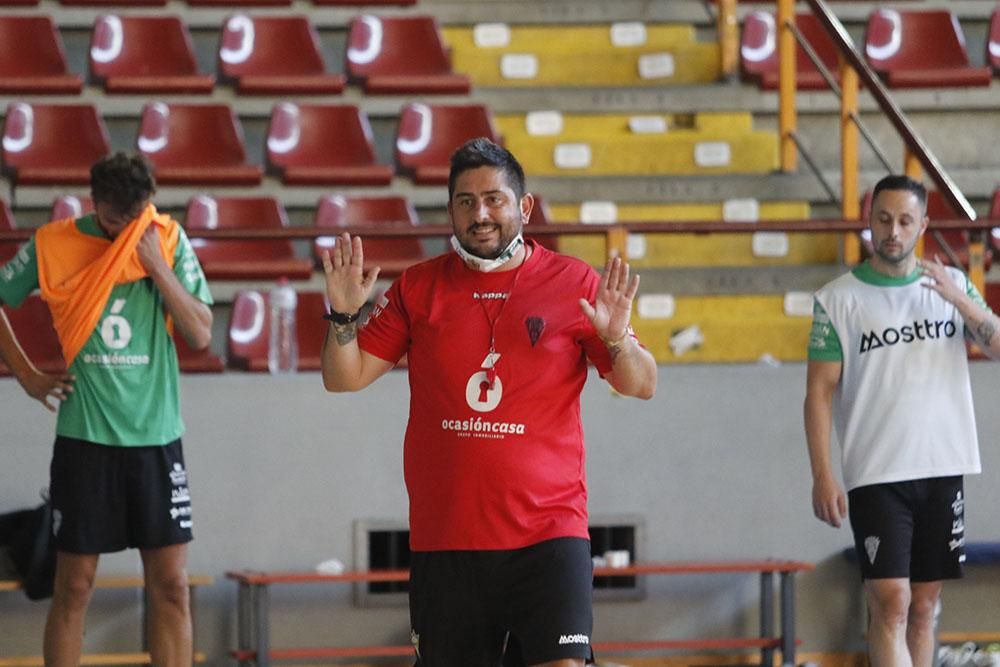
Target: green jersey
x=126, y=391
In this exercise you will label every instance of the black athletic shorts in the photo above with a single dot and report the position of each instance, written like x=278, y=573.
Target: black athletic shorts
x=107, y=498
x=913, y=530
x=523, y=606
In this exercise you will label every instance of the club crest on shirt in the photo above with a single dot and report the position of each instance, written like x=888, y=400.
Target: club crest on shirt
x=536, y=325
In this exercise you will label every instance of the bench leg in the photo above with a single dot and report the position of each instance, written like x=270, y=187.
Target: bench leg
x=788, y=618
x=766, y=616
x=260, y=623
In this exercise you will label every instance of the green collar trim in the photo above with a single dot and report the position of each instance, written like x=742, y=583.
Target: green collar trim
x=866, y=274
x=88, y=225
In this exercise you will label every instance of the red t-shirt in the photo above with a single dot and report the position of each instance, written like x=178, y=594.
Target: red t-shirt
x=500, y=467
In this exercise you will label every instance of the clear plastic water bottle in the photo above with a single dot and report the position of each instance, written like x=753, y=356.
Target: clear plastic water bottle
x=283, y=347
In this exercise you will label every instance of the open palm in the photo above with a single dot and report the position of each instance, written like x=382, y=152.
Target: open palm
x=612, y=306
x=347, y=286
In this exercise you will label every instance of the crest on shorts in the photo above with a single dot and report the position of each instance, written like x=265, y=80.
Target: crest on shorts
x=871, y=546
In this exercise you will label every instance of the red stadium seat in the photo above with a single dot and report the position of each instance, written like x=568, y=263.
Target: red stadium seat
x=993, y=42
x=366, y=3
x=250, y=324
x=18, y=3
x=70, y=206
x=32, y=324
x=759, y=51
x=995, y=215
x=239, y=4
x=7, y=248
x=920, y=49
x=32, y=58
x=429, y=134
x=196, y=361
x=392, y=255
x=244, y=259
x=50, y=144
x=145, y=54
x=275, y=55
x=540, y=216
x=401, y=55
x=113, y=3
x=937, y=209
x=992, y=296
x=323, y=144
x=195, y=144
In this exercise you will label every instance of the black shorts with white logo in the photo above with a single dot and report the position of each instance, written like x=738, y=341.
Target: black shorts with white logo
x=107, y=498
x=913, y=529
x=530, y=605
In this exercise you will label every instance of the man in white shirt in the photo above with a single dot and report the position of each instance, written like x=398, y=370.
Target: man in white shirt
x=888, y=367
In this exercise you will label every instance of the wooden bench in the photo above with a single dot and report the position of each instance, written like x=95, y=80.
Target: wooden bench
x=254, y=608
x=139, y=658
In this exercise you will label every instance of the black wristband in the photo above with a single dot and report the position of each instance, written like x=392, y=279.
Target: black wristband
x=342, y=318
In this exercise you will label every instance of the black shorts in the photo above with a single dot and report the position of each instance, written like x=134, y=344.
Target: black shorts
x=530, y=605
x=912, y=530
x=107, y=498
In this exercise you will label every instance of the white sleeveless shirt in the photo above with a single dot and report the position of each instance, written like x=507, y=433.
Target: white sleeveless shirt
x=903, y=407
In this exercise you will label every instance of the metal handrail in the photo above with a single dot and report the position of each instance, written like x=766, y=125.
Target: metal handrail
x=407, y=230
x=874, y=84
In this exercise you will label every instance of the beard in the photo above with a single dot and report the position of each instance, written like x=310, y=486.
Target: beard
x=503, y=242
x=899, y=257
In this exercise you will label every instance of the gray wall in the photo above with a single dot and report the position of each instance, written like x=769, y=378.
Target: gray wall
x=715, y=465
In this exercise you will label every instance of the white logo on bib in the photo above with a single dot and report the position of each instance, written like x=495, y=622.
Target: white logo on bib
x=115, y=329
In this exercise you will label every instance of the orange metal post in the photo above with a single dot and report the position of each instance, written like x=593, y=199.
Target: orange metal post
x=786, y=85
x=850, y=197
x=617, y=242
x=912, y=166
x=729, y=40
x=977, y=260
x=913, y=169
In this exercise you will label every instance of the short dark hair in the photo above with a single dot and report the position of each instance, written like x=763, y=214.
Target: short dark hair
x=122, y=181
x=901, y=182
x=481, y=152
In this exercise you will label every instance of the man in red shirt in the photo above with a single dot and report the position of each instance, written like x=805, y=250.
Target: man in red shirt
x=498, y=335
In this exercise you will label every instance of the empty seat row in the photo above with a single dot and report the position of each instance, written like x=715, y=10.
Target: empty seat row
x=619, y=54
x=246, y=344
x=204, y=144
x=554, y=144
x=212, y=3
x=907, y=48
x=260, y=55
x=268, y=259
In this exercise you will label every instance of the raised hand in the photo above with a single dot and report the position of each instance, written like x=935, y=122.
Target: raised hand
x=42, y=387
x=347, y=287
x=940, y=281
x=148, y=249
x=613, y=304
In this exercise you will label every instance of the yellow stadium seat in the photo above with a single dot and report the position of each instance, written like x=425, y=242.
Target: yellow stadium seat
x=584, y=56
x=731, y=329
x=640, y=144
x=693, y=250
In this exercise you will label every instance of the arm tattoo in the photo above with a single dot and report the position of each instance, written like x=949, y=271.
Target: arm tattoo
x=985, y=331
x=345, y=333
